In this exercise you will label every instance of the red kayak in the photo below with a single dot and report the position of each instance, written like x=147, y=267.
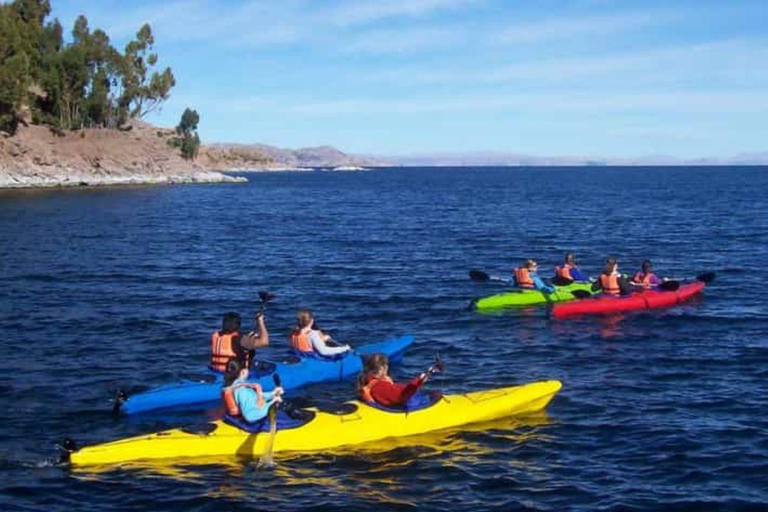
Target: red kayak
x=647, y=299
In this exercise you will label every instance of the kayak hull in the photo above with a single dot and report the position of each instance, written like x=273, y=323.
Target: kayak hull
x=647, y=299
x=523, y=297
x=326, y=431
x=294, y=375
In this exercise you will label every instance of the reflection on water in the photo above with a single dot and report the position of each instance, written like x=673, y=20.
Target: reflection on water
x=366, y=467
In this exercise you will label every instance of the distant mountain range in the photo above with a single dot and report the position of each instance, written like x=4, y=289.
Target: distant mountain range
x=517, y=159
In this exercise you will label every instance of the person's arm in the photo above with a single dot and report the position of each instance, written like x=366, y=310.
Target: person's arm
x=655, y=280
x=597, y=285
x=624, y=285
x=254, y=340
x=392, y=394
x=321, y=348
x=576, y=275
x=539, y=284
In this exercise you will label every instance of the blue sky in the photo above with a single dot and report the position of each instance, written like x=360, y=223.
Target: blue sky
x=395, y=77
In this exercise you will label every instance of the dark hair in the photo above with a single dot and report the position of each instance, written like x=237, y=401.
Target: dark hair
x=371, y=365
x=230, y=322
x=234, y=367
x=568, y=255
x=609, y=264
x=646, y=265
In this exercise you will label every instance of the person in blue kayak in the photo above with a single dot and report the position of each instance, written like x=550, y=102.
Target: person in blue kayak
x=229, y=342
x=527, y=277
x=645, y=278
x=374, y=385
x=307, y=340
x=569, y=272
x=246, y=399
x=611, y=282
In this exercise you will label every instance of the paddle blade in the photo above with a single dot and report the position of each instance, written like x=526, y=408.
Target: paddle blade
x=669, y=286
x=478, y=275
x=266, y=296
x=277, y=380
x=706, y=277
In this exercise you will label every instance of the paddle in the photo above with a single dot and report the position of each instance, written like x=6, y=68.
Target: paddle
x=266, y=457
x=671, y=285
x=581, y=294
x=481, y=277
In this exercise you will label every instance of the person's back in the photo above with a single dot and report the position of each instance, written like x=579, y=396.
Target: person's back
x=308, y=341
x=229, y=342
x=610, y=281
x=246, y=399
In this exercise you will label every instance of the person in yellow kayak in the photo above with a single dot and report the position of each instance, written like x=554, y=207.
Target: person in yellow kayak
x=229, y=342
x=645, y=278
x=569, y=272
x=610, y=281
x=246, y=399
x=308, y=341
x=375, y=386
x=526, y=277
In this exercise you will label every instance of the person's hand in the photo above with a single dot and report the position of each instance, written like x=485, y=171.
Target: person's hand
x=259, y=315
x=348, y=347
x=279, y=391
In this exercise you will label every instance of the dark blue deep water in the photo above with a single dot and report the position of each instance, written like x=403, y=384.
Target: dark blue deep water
x=120, y=288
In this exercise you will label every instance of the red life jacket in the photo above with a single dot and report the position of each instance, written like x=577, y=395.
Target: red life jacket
x=365, y=392
x=300, y=341
x=228, y=396
x=523, y=278
x=610, y=284
x=564, y=271
x=222, y=349
x=643, y=279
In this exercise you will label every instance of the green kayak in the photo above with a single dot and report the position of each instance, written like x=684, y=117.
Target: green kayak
x=522, y=297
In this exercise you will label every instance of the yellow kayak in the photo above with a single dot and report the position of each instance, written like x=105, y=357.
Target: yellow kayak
x=359, y=423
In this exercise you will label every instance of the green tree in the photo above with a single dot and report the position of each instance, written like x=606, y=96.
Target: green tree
x=144, y=92
x=189, y=141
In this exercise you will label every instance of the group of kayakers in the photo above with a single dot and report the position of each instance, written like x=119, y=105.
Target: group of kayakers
x=609, y=282
x=232, y=353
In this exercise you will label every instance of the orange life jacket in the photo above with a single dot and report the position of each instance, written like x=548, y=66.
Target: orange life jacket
x=610, y=284
x=523, y=278
x=222, y=349
x=564, y=271
x=228, y=395
x=365, y=392
x=300, y=341
x=643, y=279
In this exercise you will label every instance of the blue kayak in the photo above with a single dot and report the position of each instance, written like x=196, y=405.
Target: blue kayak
x=295, y=373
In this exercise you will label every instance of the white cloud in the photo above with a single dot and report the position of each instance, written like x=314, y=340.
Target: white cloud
x=369, y=11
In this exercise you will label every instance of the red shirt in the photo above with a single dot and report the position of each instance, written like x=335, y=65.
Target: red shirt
x=391, y=394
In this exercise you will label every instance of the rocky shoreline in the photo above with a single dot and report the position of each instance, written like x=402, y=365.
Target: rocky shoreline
x=140, y=154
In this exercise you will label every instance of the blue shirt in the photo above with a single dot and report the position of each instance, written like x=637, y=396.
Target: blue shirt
x=247, y=402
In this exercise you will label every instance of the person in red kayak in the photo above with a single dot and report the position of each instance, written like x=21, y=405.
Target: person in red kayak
x=374, y=385
x=645, y=278
x=611, y=282
x=568, y=272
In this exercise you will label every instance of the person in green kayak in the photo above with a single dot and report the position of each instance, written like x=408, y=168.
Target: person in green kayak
x=374, y=385
x=246, y=399
x=645, y=278
x=527, y=277
x=610, y=281
x=568, y=272
x=307, y=340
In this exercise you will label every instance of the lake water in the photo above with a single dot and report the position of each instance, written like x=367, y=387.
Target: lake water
x=666, y=410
